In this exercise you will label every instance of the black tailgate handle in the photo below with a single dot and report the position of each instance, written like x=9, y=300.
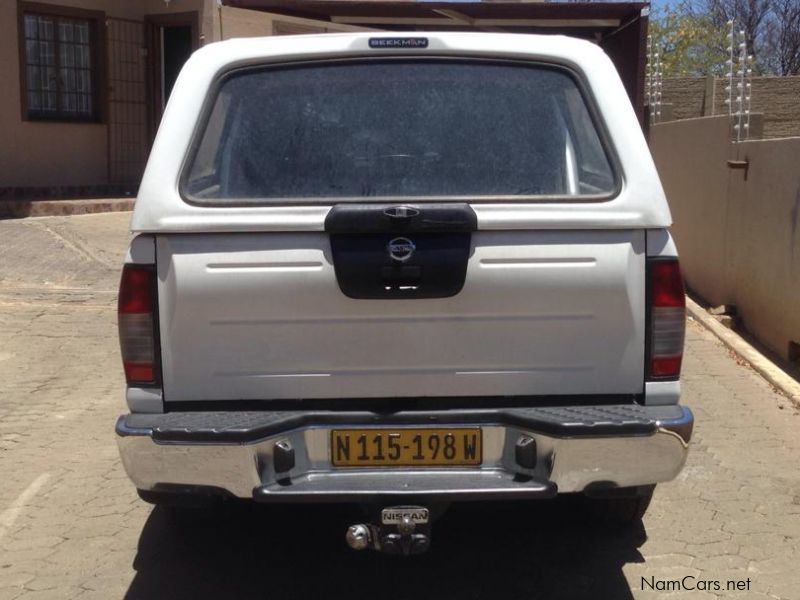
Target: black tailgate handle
x=401, y=251
x=449, y=217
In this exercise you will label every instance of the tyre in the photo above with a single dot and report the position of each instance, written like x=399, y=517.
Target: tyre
x=181, y=499
x=186, y=507
x=623, y=506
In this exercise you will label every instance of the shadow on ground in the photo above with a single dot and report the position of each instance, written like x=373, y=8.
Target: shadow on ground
x=513, y=550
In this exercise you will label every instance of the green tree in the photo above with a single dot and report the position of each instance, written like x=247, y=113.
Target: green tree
x=750, y=16
x=689, y=44
x=692, y=36
x=781, y=52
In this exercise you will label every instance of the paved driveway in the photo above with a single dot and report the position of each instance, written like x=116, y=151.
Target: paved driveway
x=71, y=526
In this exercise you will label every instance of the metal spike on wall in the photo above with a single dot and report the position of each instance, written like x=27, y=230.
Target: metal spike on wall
x=738, y=91
x=748, y=91
x=729, y=64
x=648, y=77
x=653, y=81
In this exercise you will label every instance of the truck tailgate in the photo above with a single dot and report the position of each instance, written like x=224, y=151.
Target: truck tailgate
x=246, y=316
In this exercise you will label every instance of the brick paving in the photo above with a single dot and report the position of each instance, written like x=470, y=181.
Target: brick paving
x=71, y=525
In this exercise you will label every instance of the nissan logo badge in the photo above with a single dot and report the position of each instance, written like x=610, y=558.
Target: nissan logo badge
x=401, y=249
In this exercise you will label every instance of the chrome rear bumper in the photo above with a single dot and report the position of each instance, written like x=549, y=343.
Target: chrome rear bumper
x=576, y=448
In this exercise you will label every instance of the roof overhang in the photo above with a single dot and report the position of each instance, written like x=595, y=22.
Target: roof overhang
x=620, y=28
x=586, y=20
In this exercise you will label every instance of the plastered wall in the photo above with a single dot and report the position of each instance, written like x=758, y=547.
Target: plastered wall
x=33, y=153
x=44, y=154
x=737, y=225
x=41, y=154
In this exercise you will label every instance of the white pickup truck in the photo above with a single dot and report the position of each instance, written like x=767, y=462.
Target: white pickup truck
x=402, y=271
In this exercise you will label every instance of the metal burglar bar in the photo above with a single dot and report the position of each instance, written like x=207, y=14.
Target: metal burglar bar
x=127, y=114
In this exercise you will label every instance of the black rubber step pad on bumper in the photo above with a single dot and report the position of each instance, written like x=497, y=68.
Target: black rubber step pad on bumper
x=226, y=427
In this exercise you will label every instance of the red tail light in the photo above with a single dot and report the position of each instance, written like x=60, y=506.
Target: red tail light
x=667, y=318
x=136, y=311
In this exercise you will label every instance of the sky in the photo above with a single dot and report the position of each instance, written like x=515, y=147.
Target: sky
x=663, y=3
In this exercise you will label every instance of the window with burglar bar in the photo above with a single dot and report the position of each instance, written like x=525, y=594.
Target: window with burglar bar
x=60, y=70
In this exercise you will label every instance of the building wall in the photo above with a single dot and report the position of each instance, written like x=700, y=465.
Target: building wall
x=46, y=154
x=737, y=230
x=778, y=98
x=691, y=160
x=37, y=154
x=33, y=153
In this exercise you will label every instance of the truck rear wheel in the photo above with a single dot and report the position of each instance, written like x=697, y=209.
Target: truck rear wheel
x=179, y=500
x=184, y=508
x=622, y=506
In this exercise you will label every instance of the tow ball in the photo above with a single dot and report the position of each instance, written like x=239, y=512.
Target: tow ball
x=402, y=530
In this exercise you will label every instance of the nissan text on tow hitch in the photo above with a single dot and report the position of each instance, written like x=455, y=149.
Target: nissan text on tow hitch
x=402, y=274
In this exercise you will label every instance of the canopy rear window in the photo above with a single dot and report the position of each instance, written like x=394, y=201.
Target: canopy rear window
x=416, y=129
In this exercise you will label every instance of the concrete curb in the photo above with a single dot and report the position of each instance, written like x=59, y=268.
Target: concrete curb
x=784, y=382
x=19, y=209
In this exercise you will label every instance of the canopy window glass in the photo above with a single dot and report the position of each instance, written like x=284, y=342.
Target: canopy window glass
x=59, y=67
x=420, y=129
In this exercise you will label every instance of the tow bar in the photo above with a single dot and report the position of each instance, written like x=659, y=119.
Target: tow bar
x=402, y=530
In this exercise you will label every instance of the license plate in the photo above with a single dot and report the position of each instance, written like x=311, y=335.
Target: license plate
x=406, y=447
